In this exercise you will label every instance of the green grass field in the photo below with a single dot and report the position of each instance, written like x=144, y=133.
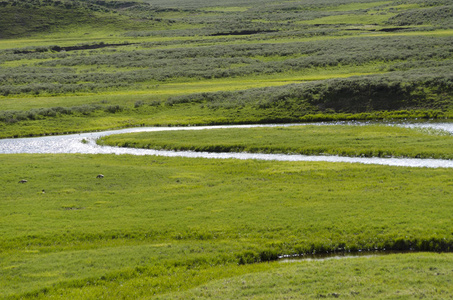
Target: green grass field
x=359, y=278
x=86, y=237
x=176, y=228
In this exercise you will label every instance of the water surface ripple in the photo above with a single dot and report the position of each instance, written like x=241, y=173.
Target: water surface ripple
x=73, y=144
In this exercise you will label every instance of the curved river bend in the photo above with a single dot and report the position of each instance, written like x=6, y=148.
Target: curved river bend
x=74, y=144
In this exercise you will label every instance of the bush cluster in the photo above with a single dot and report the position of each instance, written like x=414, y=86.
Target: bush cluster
x=13, y=116
x=351, y=95
x=438, y=15
x=58, y=73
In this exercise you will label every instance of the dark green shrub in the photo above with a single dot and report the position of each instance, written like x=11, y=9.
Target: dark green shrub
x=138, y=104
x=113, y=109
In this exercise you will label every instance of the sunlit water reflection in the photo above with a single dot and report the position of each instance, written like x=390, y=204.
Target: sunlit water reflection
x=85, y=143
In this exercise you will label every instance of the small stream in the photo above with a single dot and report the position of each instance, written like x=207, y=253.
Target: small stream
x=338, y=255
x=85, y=143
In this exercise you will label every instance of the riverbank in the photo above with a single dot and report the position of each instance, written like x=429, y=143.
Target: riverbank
x=354, y=140
x=86, y=143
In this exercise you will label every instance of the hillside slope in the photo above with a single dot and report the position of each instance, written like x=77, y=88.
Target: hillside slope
x=127, y=63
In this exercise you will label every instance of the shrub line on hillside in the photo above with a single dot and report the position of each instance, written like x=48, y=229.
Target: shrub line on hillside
x=71, y=48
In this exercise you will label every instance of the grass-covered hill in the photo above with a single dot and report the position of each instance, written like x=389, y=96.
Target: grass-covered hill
x=32, y=17
x=129, y=63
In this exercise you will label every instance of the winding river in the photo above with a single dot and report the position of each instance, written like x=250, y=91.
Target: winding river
x=85, y=143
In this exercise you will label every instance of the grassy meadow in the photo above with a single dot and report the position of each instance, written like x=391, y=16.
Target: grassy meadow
x=179, y=228
x=152, y=222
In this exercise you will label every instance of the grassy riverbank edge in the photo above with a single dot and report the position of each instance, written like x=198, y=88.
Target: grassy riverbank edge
x=191, y=115
x=353, y=140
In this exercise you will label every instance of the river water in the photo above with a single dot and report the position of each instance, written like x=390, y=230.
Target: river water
x=85, y=143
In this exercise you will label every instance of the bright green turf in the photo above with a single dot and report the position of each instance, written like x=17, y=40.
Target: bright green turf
x=407, y=276
x=152, y=222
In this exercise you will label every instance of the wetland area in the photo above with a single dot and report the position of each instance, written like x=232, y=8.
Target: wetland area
x=174, y=149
